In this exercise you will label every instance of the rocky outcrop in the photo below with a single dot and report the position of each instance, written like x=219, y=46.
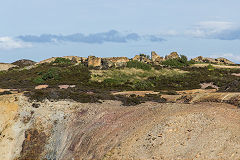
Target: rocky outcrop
x=213, y=60
x=156, y=58
x=24, y=63
x=142, y=58
x=116, y=62
x=94, y=61
x=172, y=55
x=75, y=59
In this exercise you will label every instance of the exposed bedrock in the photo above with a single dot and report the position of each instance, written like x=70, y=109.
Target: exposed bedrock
x=67, y=130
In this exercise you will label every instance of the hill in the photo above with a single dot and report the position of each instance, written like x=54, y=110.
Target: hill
x=118, y=108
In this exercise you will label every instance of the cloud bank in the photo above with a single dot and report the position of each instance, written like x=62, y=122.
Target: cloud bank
x=11, y=43
x=215, y=30
x=97, y=38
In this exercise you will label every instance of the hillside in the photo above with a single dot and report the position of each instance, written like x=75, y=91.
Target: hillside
x=145, y=107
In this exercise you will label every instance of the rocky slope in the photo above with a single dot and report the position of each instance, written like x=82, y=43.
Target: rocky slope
x=70, y=130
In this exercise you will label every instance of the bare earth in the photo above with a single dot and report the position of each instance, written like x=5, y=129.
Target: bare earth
x=67, y=130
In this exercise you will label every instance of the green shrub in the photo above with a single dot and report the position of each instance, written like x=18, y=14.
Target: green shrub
x=52, y=73
x=62, y=61
x=143, y=85
x=78, y=74
x=182, y=61
x=38, y=80
x=139, y=65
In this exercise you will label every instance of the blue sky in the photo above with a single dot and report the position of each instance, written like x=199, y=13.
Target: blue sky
x=39, y=29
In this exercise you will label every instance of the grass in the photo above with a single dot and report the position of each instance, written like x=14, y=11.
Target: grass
x=132, y=74
x=131, y=79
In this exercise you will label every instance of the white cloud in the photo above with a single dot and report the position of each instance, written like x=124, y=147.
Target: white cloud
x=210, y=29
x=230, y=56
x=11, y=43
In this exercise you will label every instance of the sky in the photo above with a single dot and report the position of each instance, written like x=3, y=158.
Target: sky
x=40, y=29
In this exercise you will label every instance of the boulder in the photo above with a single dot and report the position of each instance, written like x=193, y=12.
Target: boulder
x=224, y=60
x=156, y=58
x=94, y=61
x=114, y=62
x=172, y=55
x=213, y=60
x=24, y=63
x=142, y=58
x=198, y=59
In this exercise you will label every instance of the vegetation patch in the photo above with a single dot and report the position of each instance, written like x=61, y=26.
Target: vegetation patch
x=182, y=61
x=63, y=61
x=139, y=65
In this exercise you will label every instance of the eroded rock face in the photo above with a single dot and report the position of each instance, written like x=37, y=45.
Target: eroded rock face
x=212, y=60
x=172, y=55
x=24, y=63
x=114, y=62
x=94, y=61
x=156, y=58
x=70, y=130
x=141, y=58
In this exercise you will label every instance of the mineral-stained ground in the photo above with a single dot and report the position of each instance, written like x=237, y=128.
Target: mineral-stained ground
x=69, y=130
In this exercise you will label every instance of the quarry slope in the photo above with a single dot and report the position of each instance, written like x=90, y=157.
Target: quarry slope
x=66, y=130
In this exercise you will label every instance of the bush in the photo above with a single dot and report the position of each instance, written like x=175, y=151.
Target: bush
x=143, y=85
x=51, y=74
x=78, y=74
x=139, y=65
x=62, y=61
x=182, y=61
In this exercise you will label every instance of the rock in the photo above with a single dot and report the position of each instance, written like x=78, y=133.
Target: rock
x=224, y=61
x=114, y=62
x=72, y=58
x=41, y=87
x=142, y=58
x=213, y=60
x=67, y=129
x=94, y=61
x=24, y=63
x=66, y=86
x=63, y=86
x=172, y=55
x=198, y=59
x=156, y=58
